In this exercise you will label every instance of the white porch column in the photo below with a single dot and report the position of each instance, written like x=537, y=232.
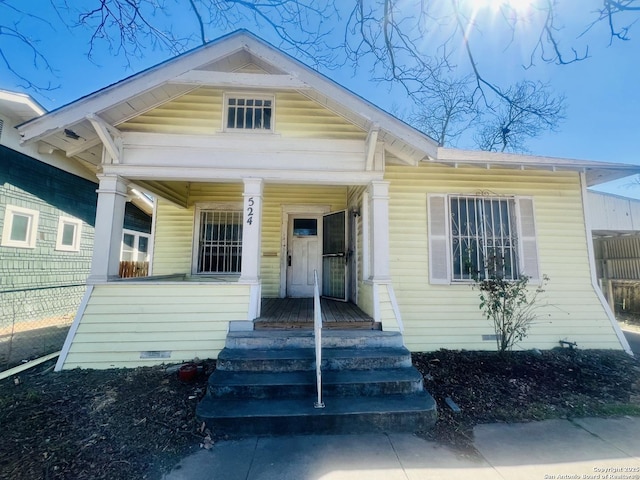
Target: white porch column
x=112, y=197
x=251, y=242
x=379, y=225
x=251, y=230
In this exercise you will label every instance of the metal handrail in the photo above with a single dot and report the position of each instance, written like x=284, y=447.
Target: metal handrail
x=317, y=332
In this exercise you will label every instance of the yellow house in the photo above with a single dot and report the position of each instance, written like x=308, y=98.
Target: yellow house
x=265, y=171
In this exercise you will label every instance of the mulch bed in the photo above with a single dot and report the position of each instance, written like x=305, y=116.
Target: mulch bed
x=98, y=424
x=526, y=386
x=137, y=423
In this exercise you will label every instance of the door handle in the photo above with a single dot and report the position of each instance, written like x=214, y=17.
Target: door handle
x=289, y=260
x=341, y=254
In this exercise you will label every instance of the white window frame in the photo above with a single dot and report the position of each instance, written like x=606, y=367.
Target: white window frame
x=482, y=236
x=440, y=237
x=136, y=242
x=32, y=228
x=77, y=234
x=218, y=207
x=248, y=96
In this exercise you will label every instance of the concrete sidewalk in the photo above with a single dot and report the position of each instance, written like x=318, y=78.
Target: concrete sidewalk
x=595, y=448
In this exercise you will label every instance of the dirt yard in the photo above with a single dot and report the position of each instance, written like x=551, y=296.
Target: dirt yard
x=136, y=423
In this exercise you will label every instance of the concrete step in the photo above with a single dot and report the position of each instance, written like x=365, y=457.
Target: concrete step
x=342, y=415
x=347, y=383
x=268, y=339
x=301, y=359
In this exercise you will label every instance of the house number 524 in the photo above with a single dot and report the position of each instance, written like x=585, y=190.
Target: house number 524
x=250, y=202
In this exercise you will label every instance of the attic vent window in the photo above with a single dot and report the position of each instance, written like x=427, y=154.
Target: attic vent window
x=249, y=113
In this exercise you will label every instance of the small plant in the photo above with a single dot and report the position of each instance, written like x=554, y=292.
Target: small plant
x=511, y=306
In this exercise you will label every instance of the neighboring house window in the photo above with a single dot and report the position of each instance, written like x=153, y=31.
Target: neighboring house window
x=219, y=241
x=20, y=227
x=69, y=234
x=473, y=236
x=249, y=113
x=135, y=246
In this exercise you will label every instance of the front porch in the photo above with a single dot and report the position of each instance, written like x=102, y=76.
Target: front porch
x=297, y=313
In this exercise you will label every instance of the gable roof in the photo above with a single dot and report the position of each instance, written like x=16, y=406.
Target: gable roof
x=217, y=63
x=19, y=106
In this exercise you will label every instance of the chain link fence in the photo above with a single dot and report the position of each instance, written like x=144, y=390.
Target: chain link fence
x=35, y=321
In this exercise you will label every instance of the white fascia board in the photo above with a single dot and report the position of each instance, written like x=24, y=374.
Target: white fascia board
x=203, y=174
x=596, y=172
x=127, y=88
x=453, y=155
x=21, y=105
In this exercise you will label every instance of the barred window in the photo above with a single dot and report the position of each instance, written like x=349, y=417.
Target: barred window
x=483, y=237
x=249, y=113
x=220, y=242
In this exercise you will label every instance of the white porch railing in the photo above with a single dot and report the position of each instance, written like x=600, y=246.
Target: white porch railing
x=317, y=332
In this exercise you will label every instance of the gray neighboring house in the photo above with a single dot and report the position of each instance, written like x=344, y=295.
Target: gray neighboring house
x=47, y=218
x=615, y=226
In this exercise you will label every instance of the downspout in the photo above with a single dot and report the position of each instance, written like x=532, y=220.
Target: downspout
x=592, y=267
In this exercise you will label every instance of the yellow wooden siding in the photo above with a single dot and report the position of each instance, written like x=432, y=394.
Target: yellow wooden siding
x=275, y=197
x=298, y=116
x=174, y=225
x=355, y=204
x=387, y=314
x=200, y=112
x=122, y=320
x=447, y=316
x=365, y=298
x=173, y=239
x=196, y=112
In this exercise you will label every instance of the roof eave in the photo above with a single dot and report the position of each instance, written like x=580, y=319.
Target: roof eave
x=369, y=114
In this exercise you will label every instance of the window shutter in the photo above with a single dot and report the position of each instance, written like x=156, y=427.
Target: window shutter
x=438, y=242
x=528, y=243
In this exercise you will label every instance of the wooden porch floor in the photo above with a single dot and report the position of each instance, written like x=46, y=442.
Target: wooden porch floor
x=290, y=313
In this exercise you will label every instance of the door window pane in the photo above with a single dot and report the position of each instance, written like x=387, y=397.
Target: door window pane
x=305, y=227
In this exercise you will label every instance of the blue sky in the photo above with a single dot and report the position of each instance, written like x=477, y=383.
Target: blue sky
x=602, y=92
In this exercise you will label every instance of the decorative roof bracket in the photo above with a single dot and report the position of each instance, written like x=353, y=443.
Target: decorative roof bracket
x=111, y=137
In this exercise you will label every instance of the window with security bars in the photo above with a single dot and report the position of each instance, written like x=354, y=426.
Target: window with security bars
x=483, y=238
x=249, y=113
x=220, y=242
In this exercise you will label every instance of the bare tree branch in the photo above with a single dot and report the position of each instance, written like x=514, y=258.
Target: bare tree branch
x=203, y=38
x=447, y=111
x=13, y=33
x=531, y=110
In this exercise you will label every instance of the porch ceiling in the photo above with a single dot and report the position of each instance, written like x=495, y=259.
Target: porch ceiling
x=178, y=192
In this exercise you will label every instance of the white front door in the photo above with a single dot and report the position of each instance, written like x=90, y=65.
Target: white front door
x=304, y=251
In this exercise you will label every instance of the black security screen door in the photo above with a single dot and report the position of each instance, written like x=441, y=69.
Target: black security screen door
x=334, y=256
